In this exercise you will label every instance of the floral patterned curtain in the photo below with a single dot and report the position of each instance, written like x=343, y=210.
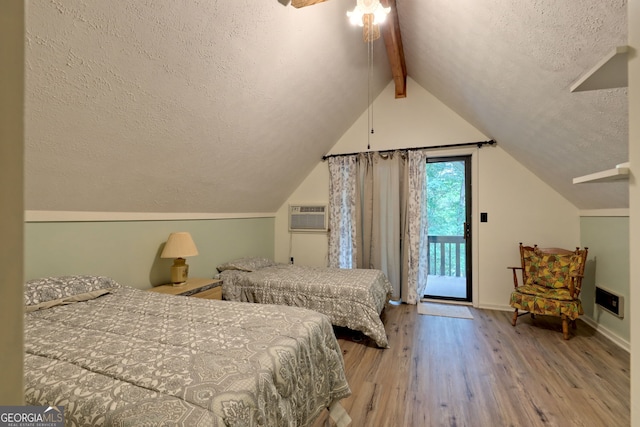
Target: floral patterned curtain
x=342, y=211
x=345, y=216
x=417, y=228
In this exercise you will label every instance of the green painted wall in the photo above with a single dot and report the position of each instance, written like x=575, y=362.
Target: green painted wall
x=129, y=251
x=607, y=266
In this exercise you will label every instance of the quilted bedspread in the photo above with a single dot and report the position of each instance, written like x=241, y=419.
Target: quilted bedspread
x=142, y=358
x=352, y=298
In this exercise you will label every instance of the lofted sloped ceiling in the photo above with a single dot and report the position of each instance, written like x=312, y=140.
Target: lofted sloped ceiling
x=226, y=106
x=507, y=68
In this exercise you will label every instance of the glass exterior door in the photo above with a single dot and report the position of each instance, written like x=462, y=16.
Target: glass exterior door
x=449, y=228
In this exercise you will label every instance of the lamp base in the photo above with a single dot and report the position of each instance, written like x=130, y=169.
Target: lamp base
x=179, y=272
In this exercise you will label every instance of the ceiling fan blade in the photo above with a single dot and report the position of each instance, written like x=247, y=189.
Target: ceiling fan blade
x=302, y=3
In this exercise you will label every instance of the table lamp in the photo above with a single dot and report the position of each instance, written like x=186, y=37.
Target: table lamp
x=179, y=246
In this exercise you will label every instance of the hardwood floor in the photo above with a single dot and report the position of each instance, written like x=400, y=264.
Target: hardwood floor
x=443, y=371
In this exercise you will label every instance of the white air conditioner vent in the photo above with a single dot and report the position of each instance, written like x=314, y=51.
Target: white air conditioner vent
x=308, y=217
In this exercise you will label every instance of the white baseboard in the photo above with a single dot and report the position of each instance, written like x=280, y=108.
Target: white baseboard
x=608, y=333
x=497, y=307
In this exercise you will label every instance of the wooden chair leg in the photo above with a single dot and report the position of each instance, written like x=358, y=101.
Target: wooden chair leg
x=515, y=318
x=565, y=327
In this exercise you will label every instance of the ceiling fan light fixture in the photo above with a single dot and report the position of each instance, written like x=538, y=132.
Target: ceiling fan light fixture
x=370, y=31
x=380, y=14
x=355, y=17
x=368, y=7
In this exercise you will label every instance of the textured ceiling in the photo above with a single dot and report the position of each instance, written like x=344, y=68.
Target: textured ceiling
x=507, y=67
x=225, y=106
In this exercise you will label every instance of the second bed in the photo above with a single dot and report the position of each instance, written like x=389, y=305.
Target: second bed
x=351, y=298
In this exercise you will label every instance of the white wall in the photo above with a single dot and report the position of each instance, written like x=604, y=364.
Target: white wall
x=306, y=248
x=633, y=14
x=11, y=199
x=521, y=208
x=510, y=194
x=419, y=120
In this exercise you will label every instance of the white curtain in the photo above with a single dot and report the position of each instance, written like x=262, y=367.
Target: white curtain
x=379, y=217
x=417, y=228
x=342, y=212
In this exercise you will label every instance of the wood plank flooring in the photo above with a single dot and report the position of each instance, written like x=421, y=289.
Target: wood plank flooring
x=453, y=372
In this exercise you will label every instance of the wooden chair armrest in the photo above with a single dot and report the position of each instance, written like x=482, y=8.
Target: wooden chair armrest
x=515, y=276
x=576, y=279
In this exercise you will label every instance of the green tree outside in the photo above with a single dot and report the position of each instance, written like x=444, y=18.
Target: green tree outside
x=446, y=207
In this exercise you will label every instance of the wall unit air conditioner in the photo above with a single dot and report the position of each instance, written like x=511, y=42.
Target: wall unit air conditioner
x=308, y=218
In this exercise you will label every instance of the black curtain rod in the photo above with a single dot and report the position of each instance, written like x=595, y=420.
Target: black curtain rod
x=479, y=144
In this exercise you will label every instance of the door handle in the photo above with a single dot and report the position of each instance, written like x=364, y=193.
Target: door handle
x=467, y=231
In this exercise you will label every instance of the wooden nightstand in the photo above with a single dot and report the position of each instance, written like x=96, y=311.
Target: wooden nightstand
x=194, y=287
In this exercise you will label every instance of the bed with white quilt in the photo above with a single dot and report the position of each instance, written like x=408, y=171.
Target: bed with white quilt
x=351, y=298
x=115, y=355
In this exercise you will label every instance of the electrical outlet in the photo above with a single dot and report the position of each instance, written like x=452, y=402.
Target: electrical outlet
x=291, y=260
x=484, y=217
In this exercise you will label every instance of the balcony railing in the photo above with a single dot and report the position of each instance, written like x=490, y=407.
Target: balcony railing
x=446, y=256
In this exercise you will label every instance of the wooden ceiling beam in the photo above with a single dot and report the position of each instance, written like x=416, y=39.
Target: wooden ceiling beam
x=303, y=3
x=393, y=41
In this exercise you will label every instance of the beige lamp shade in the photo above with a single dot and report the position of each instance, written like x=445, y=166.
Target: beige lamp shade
x=179, y=246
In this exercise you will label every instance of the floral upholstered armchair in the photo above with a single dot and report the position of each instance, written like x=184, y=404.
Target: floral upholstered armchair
x=552, y=279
